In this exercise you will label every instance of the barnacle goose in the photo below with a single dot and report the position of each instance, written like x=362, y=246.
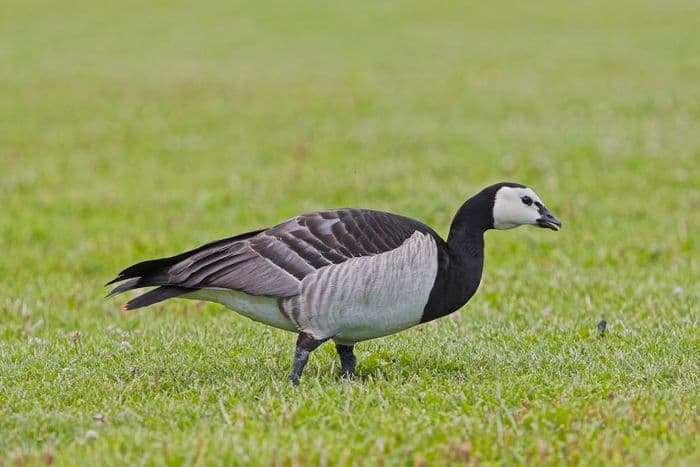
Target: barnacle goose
x=345, y=274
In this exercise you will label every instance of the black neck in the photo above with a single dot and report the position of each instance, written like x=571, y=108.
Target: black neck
x=461, y=258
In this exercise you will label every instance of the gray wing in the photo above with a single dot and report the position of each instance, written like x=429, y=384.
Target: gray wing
x=272, y=262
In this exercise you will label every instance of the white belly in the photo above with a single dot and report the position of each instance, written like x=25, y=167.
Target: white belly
x=263, y=309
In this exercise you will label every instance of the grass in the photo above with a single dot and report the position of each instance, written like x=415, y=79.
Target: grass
x=131, y=130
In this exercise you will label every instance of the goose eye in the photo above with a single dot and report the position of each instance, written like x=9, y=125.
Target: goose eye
x=527, y=200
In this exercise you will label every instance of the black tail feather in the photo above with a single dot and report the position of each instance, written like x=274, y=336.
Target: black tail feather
x=130, y=284
x=156, y=295
x=154, y=273
x=151, y=266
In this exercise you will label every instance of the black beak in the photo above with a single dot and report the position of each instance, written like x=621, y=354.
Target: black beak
x=548, y=220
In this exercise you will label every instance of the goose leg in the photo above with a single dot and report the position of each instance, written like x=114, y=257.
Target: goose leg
x=347, y=359
x=305, y=345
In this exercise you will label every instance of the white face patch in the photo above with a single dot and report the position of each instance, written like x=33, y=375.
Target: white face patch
x=511, y=208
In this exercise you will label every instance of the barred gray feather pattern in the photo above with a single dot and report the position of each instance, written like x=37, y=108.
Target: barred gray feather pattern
x=237, y=267
x=367, y=297
x=274, y=261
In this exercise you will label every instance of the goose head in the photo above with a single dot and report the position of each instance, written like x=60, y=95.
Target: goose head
x=516, y=205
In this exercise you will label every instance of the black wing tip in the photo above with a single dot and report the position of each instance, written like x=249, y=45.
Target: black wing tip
x=112, y=293
x=132, y=271
x=154, y=296
x=119, y=278
x=130, y=284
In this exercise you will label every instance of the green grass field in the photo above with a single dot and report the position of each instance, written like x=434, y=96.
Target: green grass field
x=130, y=131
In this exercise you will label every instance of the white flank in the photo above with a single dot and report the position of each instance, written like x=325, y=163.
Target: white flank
x=367, y=297
x=263, y=309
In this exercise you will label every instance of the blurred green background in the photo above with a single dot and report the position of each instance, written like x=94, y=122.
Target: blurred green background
x=133, y=130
